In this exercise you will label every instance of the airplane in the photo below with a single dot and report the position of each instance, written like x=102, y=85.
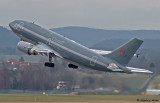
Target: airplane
x=37, y=40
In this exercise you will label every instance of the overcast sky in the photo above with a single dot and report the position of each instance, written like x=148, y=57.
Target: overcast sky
x=104, y=14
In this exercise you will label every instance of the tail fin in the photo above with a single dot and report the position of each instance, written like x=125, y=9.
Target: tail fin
x=124, y=53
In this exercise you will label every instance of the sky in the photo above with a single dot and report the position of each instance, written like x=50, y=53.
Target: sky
x=102, y=14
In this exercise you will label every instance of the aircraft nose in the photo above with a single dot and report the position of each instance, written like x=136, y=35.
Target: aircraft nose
x=11, y=25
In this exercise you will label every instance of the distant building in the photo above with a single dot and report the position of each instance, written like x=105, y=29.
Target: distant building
x=10, y=64
x=61, y=85
x=153, y=91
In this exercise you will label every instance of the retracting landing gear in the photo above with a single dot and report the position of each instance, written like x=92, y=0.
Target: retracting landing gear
x=49, y=64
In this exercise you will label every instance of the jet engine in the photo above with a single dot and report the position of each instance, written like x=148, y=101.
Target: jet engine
x=26, y=48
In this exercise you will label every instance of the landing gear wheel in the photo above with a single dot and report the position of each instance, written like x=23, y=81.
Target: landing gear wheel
x=48, y=64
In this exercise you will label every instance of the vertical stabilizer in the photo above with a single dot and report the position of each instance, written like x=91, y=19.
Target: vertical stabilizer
x=124, y=53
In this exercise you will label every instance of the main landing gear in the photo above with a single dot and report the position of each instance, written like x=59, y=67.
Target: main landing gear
x=49, y=64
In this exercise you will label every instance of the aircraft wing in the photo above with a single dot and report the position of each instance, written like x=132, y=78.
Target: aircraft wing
x=43, y=49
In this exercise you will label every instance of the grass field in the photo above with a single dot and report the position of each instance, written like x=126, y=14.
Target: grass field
x=38, y=98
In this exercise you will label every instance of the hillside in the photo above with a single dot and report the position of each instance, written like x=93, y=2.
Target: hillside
x=7, y=38
x=91, y=36
x=114, y=43
x=85, y=36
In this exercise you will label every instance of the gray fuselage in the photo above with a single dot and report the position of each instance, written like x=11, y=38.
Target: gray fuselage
x=68, y=49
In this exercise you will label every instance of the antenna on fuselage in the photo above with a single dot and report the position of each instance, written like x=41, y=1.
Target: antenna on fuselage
x=34, y=21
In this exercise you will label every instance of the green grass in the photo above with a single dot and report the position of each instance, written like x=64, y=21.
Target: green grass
x=71, y=98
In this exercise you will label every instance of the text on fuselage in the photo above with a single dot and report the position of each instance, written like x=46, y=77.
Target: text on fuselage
x=54, y=39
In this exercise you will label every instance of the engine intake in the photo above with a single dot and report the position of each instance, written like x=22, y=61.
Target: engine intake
x=26, y=48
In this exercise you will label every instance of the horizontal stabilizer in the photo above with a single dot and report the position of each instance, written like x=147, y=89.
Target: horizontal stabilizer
x=138, y=70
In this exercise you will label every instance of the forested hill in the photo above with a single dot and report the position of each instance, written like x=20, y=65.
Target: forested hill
x=90, y=36
x=114, y=43
x=7, y=38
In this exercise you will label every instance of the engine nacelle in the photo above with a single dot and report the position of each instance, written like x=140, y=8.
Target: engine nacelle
x=26, y=48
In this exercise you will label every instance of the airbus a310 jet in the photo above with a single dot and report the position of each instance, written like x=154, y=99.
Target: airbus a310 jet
x=36, y=40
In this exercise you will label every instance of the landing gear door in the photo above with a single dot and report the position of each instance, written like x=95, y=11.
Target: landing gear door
x=93, y=60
